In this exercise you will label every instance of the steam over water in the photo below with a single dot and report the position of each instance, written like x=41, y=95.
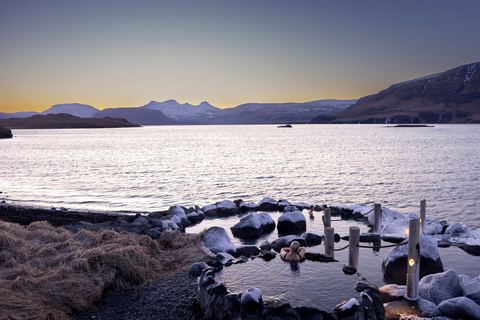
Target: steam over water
x=151, y=168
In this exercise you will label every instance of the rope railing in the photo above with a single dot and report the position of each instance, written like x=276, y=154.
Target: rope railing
x=373, y=247
x=341, y=248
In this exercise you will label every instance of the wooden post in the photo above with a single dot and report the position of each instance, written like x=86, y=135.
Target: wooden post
x=353, y=249
x=413, y=263
x=423, y=209
x=377, y=228
x=327, y=217
x=329, y=241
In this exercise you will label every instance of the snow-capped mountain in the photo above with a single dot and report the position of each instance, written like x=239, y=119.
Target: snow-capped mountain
x=447, y=97
x=75, y=109
x=184, y=112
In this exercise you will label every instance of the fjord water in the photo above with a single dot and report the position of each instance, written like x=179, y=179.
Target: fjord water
x=151, y=168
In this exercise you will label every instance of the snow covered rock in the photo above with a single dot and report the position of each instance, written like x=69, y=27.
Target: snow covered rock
x=471, y=289
x=284, y=242
x=253, y=226
x=460, y=308
x=394, y=264
x=268, y=204
x=347, y=308
x=210, y=210
x=217, y=240
x=440, y=286
x=456, y=228
x=391, y=292
x=226, y=208
x=388, y=216
x=196, y=216
x=292, y=223
x=399, y=225
x=177, y=211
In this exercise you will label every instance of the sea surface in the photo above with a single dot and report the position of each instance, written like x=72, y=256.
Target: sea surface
x=153, y=167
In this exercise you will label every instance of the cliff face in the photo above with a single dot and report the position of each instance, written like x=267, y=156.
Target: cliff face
x=63, y=121
x=452, y=96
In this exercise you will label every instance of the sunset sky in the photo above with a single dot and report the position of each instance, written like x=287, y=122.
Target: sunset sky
x=116, y=53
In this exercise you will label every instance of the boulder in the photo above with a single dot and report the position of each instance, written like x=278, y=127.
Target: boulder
x=282, y=204
x=5, y=133
x=226, y=208
x=292, y=223
x=217, y=240
x=267, y=255
x=210, y=210
x=253, y=226
x=177, y=211
x=455, y=228
x=471, y=289
x=224, y=257
x=312, y=239
x=247, y=251
x=268, y=204
x=460, y=308
x=265, y=245
x=440, y=286
x=196, y=216
x=394, y=265
x=392, y=292
x=314, y=256
x=196, y=268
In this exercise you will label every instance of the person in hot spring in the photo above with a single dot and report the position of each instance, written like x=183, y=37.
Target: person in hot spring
x=294, y=253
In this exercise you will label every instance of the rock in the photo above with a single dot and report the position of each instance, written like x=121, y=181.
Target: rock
x=141, y=221
x=418, y=309
x=268, y=204
x=433, y=227
x=394, y=238
x=253, y=226
x=247, y=251
x=196, y=268
x=5, y=133
x=177, y=211
x=290, y=209
x=394, y=265
x=251, y=300
x=284, y=242
x=210, y=210
x=471, y=289
x=241, y=259
x=282, y=204
x=349, y=270
x=241, y=205
x=196, y=216
x=455, y=229
x=312, y=239
x=217, y=240
x=313, y=256
x=440, y=286
x=392, y=292
x=226, y=208
x=267, y=255
x=292, y=223
x=224, y=257
x=460, y=308
x=346, y=308
x=265, y=245
x=464, y=279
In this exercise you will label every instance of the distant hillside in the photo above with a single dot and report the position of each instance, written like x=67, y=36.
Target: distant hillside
x=141, y=116
x=75, y=109
x=452, y=96
x=4, y=115
x=63, y=121
x=257, y=113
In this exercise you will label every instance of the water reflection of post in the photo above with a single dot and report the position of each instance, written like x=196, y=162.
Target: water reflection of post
x=329, y=241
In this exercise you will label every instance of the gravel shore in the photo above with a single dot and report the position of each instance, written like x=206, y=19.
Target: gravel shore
x=170, y=298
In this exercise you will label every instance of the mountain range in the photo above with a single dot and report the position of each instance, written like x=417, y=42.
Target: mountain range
x=171, y=112
x=452, y=96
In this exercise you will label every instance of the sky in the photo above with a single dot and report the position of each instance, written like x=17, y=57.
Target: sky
x=117, y=53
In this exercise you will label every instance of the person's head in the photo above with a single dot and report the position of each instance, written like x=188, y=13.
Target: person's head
x=295, y=246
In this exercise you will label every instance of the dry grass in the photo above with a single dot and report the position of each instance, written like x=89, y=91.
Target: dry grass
x=50, y=273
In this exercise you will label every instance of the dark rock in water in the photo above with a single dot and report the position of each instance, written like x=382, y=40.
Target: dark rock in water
x=247, y=251
x=265, y=245
x=349, y=270
x=346, y=309
x=267, y=255
x=366, y=237
x=471, y=249
x=312, y=239
x=460, y=308
x=292, y=223
x=319, y=257
x=217, y=240
x=393, y=238
x=216, y=265
x=268, y=205
x=253, y=226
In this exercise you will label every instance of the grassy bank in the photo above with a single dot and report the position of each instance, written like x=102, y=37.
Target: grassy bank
x=49, y=272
